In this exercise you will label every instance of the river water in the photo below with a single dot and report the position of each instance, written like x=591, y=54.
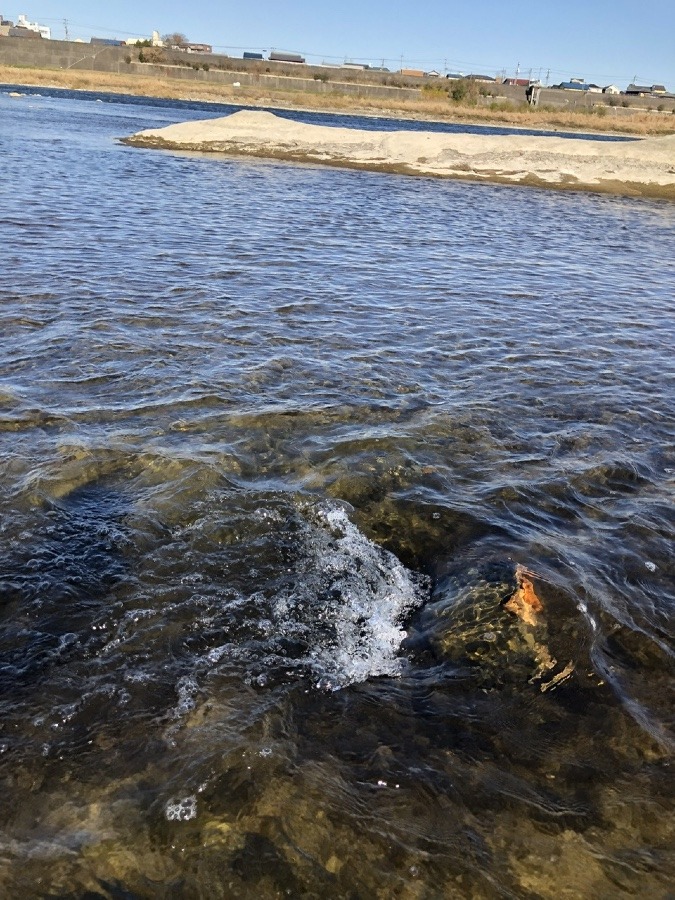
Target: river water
x=274, y=439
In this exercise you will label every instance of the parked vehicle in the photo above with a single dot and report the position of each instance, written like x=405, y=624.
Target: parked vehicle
x=278, y=56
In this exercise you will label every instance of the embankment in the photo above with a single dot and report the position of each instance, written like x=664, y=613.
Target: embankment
x=264, y=83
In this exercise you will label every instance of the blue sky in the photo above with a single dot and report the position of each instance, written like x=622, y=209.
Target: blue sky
x=598, y=40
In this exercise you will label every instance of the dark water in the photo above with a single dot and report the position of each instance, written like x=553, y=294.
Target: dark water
x=183, y=110
x=273, y=440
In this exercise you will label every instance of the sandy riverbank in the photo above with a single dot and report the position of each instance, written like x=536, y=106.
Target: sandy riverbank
x=635, y=168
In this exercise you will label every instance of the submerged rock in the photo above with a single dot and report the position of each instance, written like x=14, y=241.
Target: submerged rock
x=465, y=626
x=524, y=601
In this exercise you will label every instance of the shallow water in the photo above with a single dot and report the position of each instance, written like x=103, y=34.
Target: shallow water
x=274, y=439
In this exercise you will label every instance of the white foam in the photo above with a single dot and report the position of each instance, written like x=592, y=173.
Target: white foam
x=187, y=689
x=181, y=810
x=350, y=602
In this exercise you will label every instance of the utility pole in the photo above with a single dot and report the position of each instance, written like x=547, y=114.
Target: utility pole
x=517, y=70
x=548, y=72
x=65, y=27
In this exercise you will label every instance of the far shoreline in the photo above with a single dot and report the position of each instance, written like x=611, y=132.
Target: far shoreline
x=404, y=116
x=640, y=124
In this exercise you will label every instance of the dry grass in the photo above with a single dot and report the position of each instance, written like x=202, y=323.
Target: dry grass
x=637, y=123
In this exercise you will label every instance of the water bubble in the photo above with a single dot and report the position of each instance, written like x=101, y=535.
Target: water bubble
x=215, y=655
x=186, y=688
x=181, y=810
x=650, y=565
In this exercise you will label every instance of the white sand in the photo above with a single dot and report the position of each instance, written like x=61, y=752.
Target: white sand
x=634, y=167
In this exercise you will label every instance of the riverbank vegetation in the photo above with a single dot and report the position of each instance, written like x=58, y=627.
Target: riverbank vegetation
x=437, y=104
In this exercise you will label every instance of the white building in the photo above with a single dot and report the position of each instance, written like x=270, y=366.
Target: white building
x=44, y=30
x=155, y=40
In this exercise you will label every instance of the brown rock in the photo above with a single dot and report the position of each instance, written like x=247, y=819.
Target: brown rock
x=524, y=601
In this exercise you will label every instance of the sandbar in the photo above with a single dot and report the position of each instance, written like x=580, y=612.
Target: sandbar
x=641, y=167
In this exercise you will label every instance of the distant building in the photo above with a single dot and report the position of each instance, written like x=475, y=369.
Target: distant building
x=644, y=90
x=611, y=89
x=21, y=32
x=249, y=55
x=486, y=79
x=413, y=73
x=576, y=85
x=106, y=42
x=455, y=76
x=571, y=86
x=43, y=30
x=433, y=74
x=197, y=48
x=639, y=90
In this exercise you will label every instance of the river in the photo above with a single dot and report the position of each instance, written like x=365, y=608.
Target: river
x=274, y=440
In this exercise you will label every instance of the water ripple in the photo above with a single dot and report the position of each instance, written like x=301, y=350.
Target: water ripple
x=268, y=431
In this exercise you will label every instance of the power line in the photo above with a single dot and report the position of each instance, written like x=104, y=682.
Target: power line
x=412, y=62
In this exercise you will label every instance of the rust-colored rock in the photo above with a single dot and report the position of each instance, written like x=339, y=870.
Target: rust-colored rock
x=524, y=601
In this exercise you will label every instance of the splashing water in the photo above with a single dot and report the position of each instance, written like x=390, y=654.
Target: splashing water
x=335, y=617
x=356, y=593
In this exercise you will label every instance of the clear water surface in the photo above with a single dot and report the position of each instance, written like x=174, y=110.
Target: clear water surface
x=273, y=440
